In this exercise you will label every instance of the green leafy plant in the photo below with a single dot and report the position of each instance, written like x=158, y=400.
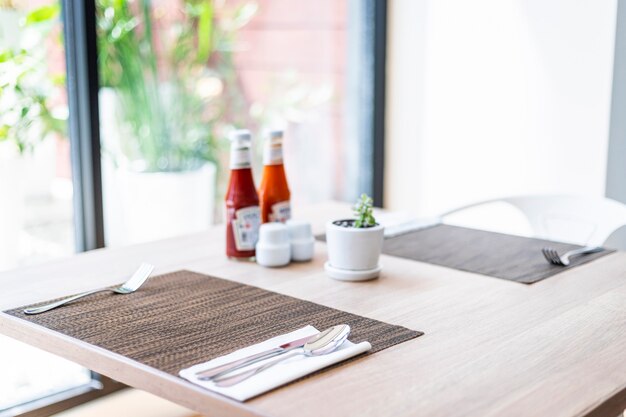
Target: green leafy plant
x=30, y=104
x=173, y=104
x=363, y=212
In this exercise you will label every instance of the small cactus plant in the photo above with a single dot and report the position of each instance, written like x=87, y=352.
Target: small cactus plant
x=363, y=212
x=354, y=245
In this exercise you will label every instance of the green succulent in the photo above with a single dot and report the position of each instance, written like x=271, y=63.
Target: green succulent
x=363, y=212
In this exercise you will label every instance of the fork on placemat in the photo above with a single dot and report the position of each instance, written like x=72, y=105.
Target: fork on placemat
x=554, y=258
x=136, y=280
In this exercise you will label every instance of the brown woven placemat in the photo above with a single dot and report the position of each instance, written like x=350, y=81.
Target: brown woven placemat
x=184, y=318
x=498, y=255
x=514, y=258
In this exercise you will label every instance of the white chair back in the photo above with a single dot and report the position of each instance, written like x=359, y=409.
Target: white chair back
x=582, y=220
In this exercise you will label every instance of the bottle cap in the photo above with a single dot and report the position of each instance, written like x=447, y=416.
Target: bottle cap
x=240, y=134
x=275, y=134
x=273, y=149
x=240, y=156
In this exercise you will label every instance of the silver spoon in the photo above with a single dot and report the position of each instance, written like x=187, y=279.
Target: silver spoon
x=139, y=277
x=328, y=341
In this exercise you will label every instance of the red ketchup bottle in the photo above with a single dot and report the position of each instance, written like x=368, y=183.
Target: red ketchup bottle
x=243, y=215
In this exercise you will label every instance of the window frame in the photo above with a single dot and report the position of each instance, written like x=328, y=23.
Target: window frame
x=79, y=30
x=615, y=184
x=79, y=33
x=98, y=387
x=366, y=90
x=377, y=125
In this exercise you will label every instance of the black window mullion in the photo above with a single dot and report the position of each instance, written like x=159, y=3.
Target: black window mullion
x=379, y=47
x=79, y=23
x=365, y=129
x=79, y=30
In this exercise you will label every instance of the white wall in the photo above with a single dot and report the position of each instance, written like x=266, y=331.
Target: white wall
x=488, y=98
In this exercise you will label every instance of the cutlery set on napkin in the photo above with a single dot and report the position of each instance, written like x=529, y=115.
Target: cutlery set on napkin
x=256, y=369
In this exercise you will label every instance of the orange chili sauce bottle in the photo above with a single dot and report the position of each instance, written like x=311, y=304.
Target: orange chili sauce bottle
x=243, y=217
x=274, y=192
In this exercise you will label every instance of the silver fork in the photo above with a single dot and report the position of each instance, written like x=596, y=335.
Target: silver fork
x=139, y=277
x=554, y=258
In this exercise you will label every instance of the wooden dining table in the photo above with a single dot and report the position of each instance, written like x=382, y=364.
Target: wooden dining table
x=491, y=347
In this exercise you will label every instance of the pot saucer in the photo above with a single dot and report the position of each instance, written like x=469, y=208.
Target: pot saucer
x=350, y=275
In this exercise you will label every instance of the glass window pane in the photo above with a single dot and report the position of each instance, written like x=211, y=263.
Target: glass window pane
x=176, y=76
x=36, y=218
x=35, y=374
x=291, y=63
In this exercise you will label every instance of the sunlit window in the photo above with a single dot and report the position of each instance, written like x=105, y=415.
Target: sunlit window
x=36, y=218
x=176, y=76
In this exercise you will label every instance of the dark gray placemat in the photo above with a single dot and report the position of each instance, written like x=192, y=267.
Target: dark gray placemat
x=498, y=255
x=184, y=318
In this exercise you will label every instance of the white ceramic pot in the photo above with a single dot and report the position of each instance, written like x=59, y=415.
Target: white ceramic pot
x=158, y=205
x=354, y=249
x=142, y=206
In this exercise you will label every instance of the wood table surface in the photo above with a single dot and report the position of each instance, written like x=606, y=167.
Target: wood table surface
x=492, y=347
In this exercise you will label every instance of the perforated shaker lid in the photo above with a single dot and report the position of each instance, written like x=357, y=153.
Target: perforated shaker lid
x=274, y=233
x=299, y=230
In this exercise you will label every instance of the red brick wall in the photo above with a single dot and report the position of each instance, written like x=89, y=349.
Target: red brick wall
x=307, y=38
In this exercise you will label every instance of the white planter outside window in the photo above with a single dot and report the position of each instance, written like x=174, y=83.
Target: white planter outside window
x=157, y=205
x=143, y=206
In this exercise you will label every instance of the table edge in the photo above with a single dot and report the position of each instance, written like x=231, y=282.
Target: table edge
x=107, y=363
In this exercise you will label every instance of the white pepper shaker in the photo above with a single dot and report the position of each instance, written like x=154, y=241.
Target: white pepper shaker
x=302, y=241
x=273, y=248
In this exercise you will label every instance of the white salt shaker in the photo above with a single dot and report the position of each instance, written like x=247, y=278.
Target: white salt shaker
x=302, y=242
x=273, y=248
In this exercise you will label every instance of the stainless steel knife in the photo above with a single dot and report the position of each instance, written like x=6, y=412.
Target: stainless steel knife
x=210, y=373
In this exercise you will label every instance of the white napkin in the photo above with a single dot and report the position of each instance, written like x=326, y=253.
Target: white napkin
x=281, y=373
x=400, y=222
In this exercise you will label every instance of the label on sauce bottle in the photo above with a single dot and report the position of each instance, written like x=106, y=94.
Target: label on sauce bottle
x=281, y=212
x=240, y=158
x=246, y=225
x=273, y=154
